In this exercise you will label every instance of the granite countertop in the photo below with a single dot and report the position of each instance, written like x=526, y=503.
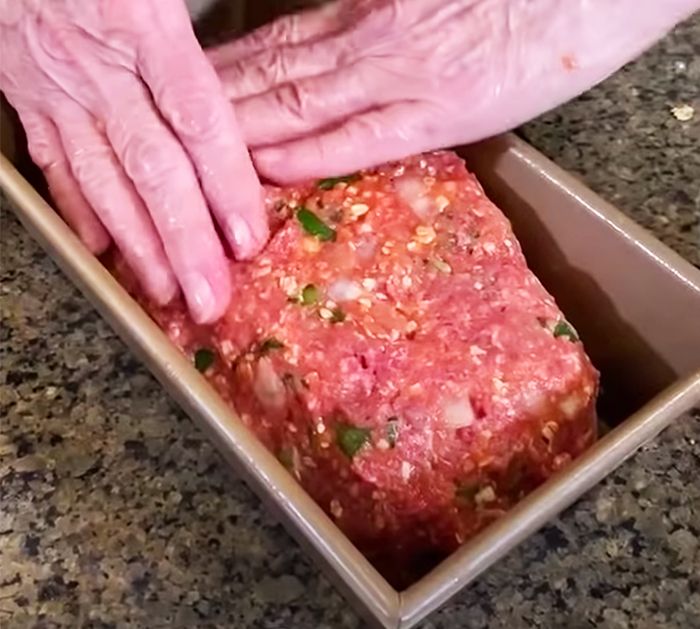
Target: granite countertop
x=116, y=512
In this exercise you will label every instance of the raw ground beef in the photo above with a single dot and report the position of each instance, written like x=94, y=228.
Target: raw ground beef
x=392, y=347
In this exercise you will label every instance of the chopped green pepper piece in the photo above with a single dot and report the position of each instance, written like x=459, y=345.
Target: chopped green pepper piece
x=330, y=182
x=564, y=328
x=268, y=345
x=309, y=295
x=314, y=226
x=351, y=439
x=392, y=431
x=203, y=359
x=338, y=316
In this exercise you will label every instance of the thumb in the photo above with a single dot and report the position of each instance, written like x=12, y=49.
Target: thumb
x=382, y=135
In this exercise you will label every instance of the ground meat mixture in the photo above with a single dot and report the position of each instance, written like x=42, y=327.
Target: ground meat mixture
x=393, y=349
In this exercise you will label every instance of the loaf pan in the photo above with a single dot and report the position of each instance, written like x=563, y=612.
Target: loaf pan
x=635, y=303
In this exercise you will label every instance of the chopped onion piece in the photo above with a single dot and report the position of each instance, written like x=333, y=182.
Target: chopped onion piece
x=413, y=192
x=344, y=290
x=366, y=247
x=487, y=494
x=570, y=406
x=458, y=413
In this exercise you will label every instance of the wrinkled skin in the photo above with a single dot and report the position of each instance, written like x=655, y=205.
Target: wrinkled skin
x=360, y=82
x=129, y=123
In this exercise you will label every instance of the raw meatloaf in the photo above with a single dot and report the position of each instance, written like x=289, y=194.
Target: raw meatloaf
x=392, y=347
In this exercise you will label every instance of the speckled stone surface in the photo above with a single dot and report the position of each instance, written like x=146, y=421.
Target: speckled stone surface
x=115, y=511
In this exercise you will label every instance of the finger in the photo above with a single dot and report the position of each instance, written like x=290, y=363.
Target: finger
x=110, y=193
x=74, y=208
x=47, y=152
x=287, y=30
x=272, y=68
x=163, y=176
x=366, y=140
x=307, y=105
x=189, y=96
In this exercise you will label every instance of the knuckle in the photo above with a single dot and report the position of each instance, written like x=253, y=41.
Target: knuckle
x=265, y=70
x=294, y=99
x=282, y=30
x=262, y=36
x=348, y=49
x=148, y=160
x=235, y=74
x=266, y=35
x=248, y=76
x=278, y=66
x=195, y=116
x=41, y=149
x=90, y=166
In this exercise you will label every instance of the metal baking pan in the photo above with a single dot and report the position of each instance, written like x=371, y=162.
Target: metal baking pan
x=635, y=303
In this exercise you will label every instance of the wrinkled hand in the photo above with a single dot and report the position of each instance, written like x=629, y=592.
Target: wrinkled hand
x=365, y=81
x=128, y=121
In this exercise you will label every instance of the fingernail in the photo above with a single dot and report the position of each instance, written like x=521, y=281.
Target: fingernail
x=241, y=236
x=200, y=297
x=160, y=284
x=95, y=239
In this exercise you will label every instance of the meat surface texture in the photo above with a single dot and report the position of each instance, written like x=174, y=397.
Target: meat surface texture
x=393, y=349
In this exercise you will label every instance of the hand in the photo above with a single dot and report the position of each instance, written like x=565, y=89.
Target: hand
x=128, y=121
x=361, y=82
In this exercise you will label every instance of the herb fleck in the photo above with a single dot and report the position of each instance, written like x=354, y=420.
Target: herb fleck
x=351, y=439
x=203, y=359
x=309, y=295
